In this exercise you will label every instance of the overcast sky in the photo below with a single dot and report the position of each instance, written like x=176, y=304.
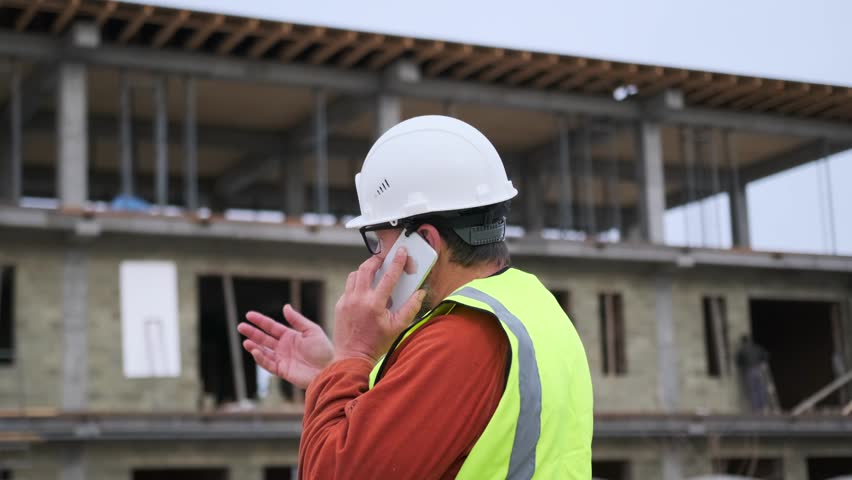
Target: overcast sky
x=805, y=40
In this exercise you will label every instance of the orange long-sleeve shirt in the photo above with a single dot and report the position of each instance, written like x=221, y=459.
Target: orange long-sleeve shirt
x=439, y=391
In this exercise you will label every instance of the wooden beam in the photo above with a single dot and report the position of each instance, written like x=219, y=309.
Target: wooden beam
x=263, y=45
x=332, y=47
x=27, y=15
x=237, y=36
x=613, y=79
x=505, y=66
x=793, y=92
x=300, y=44
x=167, y=32
x=582, y=77
x=390, y=52
x=135, y=24
x=202, y=34
x=842, y=97
x=66, y=15
x=532, y=69
x=839, y=110
x=817, y=93
x=476, y=64
x=105, y=12
x=565, y=67
x=361, y=50
x=427, y=53
x=744, y=88
x=718, y=85
x=673, y=78
x=769, y=90
x=448, y=59
x=645, y=74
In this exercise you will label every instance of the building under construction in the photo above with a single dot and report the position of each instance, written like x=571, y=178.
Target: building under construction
x=164, y=171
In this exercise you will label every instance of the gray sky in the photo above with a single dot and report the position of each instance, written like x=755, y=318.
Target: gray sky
x=805, y=40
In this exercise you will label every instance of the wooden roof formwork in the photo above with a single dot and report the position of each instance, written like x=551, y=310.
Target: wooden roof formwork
x=169, y=28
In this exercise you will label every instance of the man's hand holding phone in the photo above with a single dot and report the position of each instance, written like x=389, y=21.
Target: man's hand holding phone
x=364, y=325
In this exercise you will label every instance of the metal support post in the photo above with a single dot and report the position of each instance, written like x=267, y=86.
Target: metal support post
x=589, y=184
x=126, y=135
x=716, y=186
x=234, y=339
x=321, y=151
x=11, y=189
x=161, y=141
x=688, y=152
x=613, y=191
x=737, y=197
x=190, y=146
x=566, y=220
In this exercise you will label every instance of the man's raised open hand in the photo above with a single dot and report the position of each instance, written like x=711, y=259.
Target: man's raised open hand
x=295, y=354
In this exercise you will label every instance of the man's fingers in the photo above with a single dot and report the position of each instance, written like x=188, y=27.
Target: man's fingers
x=406, y=314
x=266, y=324
x=350, y=282
x=367, y=271
x=387, y=283
x=298, y=321
x=257, y=336
x=263, y=358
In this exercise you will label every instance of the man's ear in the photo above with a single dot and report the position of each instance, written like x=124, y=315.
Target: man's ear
x=431, y=235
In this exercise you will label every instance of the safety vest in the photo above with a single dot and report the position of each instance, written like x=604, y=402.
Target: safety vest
x=542, y=427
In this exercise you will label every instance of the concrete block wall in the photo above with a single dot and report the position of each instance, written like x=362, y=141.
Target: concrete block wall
x=109, y=388
x=38, y=317
x=705, y=394
x=34, y=379
x=585, y=284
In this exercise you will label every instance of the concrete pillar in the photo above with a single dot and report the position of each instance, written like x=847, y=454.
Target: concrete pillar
x=73, y=465
x=75, y=329
x=388, y=113
x=672, y=463
x=737, y=200
x=795, y=465
x=652, y=200
x=667, y=360
x=72, y=123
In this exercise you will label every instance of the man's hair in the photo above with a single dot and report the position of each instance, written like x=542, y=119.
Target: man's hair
x=464, y=254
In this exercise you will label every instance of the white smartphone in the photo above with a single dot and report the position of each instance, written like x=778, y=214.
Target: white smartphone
x=423, y=258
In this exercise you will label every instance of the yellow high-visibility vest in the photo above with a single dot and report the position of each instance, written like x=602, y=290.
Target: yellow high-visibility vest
x=542, y=427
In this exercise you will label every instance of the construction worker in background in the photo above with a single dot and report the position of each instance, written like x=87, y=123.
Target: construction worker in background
x=479, y=375
x=752, y=362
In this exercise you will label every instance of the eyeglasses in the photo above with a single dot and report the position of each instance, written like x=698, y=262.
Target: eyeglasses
x=371, y=238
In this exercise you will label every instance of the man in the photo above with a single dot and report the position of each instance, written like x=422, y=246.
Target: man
x=753, y=363
x=490, y=381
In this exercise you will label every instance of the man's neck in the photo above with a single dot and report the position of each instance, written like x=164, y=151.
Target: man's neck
x=454, y=276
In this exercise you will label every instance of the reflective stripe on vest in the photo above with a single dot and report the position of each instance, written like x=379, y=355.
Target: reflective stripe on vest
x=522, y=461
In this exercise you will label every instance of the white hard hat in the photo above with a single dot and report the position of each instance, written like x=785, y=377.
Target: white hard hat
x=429, y=164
